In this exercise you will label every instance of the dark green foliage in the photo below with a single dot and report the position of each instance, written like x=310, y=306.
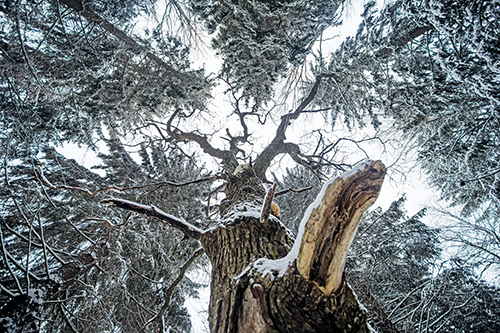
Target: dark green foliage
x=454, y=108
x=65, y=77
x=74, y=71
x=470, y=304
x=259, y=40
x=431, y=69
x=444, y=92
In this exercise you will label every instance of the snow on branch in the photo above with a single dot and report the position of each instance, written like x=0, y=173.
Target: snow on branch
x=153, y=211
x=266, y=207
x=328, y=227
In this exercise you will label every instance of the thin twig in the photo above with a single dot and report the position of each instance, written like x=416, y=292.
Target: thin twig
x=8, y=292
x=294, y=191
x=79, y=231
x=4, y=252
x=44, y=246
x=63, y=309
x=53, y=252
x=171, y=288
x=219, y=188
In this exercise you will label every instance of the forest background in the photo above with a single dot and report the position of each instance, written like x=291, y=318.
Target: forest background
x=418, y=81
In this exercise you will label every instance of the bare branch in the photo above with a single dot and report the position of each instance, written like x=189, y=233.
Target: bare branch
x=169, y=291
x=266, y=207
x=44, y=245
x=18, y=265
x=53, y=252
x=218, y=189
x=278, y=145
x=294, y=191
x=66, y=319
x=187, y=228
x=79, y=231
x=4, y=252
x=8, y=292
x=142, y=276
x=228, y=159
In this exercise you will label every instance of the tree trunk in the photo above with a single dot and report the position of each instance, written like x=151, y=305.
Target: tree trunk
x=263, y=282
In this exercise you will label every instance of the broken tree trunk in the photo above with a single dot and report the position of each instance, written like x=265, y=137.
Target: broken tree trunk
x=262, y=282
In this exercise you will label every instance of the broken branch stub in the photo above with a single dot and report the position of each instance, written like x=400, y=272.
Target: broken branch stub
x=332, y=225
x=268, y=203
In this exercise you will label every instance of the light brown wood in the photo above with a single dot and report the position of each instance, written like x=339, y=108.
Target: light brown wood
x=332, y=225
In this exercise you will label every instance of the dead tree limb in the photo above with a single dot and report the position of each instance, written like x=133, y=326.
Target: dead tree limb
x=153, y=211
x=331, y=226
x=266, y=207
x=228, y=158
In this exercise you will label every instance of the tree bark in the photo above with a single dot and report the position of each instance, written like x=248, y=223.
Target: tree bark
x=257, y=285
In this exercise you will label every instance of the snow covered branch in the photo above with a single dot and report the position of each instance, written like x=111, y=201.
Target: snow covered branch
x=415, y=33
x=152, y=211
x=266, y=208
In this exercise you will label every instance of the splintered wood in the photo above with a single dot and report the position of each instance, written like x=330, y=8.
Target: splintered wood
x=332, y=225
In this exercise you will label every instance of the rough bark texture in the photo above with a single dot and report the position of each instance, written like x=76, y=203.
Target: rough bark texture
x=231, y=248
x=247, y=299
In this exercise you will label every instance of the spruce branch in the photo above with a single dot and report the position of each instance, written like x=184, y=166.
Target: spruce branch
x=46, y=182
